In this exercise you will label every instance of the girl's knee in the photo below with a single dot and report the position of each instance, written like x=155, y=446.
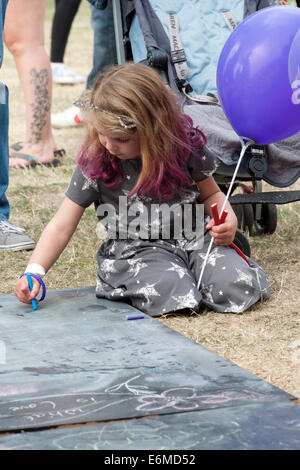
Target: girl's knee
x=233, y=286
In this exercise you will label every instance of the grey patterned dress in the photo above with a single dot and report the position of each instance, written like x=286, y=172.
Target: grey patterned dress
x=154, y=265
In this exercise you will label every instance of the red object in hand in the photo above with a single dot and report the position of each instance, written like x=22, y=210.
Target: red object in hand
x=219, y=221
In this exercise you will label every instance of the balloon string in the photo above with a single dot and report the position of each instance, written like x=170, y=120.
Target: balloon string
x=245, y=144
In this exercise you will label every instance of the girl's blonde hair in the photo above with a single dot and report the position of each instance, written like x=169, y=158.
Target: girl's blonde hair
x=166, y=135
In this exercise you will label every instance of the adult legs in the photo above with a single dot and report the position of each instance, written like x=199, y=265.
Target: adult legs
x=24, y=37
x=104, y=51
x=65, y=11
x=104, y=54
x=4, y=205
x=11, y=237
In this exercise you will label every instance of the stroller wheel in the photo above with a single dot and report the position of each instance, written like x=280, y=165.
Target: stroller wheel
x=245, y=217
x=268, y=220
x=248, y=218
x=242, y=243
x=238, y=210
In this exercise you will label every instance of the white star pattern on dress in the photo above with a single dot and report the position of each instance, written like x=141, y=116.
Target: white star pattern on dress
x=89, y=183
x=178, y=269
x=243, y=278
x=183, y=243
x=212, y=257
x=136, y=265
x=108, y=267
x=148, y=291
x=185, y=301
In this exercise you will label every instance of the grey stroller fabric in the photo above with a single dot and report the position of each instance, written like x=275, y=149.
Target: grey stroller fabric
x=283, y=157
x=283, y=162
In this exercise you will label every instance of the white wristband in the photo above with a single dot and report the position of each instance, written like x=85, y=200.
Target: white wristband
x=35, y=269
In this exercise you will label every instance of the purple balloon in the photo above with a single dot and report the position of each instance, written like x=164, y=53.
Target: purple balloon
x=258, y=75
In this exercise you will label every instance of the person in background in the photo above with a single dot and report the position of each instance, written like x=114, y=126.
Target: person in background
x=24, y=38
x=104, y=54
x=65, y=12
x=11, y=237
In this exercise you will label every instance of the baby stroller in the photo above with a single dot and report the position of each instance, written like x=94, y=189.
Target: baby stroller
x=187, y=62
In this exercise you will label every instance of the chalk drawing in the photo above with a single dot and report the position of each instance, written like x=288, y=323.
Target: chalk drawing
x=187, y=398
x=135, y=389
x=149, y=434
x=126, y=395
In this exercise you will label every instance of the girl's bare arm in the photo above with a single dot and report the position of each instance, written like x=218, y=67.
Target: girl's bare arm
x=52, y=242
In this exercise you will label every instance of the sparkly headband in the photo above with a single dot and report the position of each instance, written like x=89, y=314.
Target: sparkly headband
x=124, y=121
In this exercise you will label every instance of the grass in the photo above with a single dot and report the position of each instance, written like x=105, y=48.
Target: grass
x=265, y=340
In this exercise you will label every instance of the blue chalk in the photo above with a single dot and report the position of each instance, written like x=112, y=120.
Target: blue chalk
x=135, y=317
x=33, y=302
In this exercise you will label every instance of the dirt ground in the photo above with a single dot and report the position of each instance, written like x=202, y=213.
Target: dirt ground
x=264, y=341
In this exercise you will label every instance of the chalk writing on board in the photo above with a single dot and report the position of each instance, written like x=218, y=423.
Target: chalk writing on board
x=187, y=399
x=125, y=398
x=134, y=389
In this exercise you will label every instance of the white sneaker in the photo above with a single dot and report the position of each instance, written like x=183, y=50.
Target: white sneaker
x=70, y=117
x=62, y=74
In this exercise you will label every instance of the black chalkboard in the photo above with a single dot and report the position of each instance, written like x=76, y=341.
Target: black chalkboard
x=78, y=360
x=270, y=425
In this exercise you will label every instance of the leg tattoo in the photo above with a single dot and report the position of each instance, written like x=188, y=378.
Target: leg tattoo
x=41, y=106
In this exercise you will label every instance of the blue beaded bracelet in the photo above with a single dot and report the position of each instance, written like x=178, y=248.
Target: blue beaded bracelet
x=38, y=278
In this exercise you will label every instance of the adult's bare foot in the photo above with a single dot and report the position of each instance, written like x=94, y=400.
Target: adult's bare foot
x=32, y=155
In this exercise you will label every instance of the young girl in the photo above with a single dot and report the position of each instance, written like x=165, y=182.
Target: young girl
x=141, y=150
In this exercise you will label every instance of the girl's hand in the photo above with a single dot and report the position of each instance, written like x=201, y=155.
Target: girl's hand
x=223, y=234
x=22, y=291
